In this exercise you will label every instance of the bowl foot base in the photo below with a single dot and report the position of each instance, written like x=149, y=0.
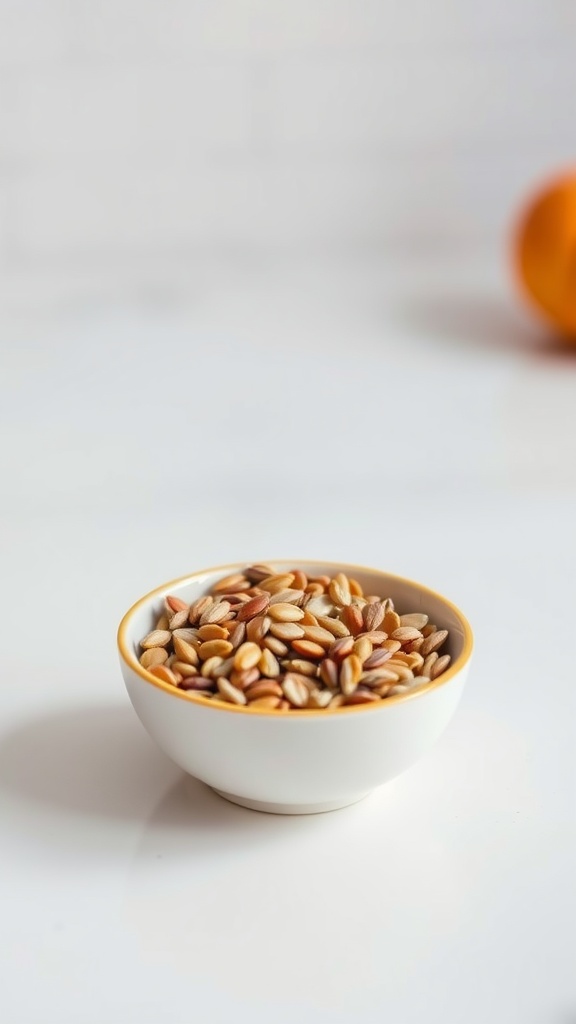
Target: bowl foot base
x=273, y=808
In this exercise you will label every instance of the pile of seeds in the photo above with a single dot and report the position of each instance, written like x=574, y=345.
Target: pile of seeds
x=285, y=641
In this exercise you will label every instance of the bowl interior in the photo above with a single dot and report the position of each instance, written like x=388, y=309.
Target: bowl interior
x=407, y=595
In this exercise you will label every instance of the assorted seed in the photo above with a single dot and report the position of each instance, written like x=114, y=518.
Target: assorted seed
x=283, y=641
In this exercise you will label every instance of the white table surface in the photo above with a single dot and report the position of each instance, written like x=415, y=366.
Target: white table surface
x=404, y=418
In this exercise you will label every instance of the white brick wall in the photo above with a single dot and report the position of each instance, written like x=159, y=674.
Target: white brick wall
x=133, y=127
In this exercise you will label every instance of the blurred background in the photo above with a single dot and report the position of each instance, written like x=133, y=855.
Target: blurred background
x=139, y=139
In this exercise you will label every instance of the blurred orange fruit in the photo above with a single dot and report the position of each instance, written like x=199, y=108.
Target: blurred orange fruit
x=545, y=253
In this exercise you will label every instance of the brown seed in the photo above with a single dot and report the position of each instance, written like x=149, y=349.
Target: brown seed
x=230, y=693
x=153, y=656
x=340, y=595
x=440, y=666
x=314, y=589
x=189, y=635
x=256, y=573
x=215, y=613
x=268, y=664
x=308, y=619
x=272, y=584
x=308, y=649
x=185, y=651
x=378, y=657
x=416, y=619
x=237, y=635
x=414, y=645
x=157, y=638
x=334, y=626
x=256, y=606
x=258, y=627
x=285, y=612
x=197, y=608
x=352, y=617
x=329, y=673
x=247, y=656
x=177, y=605
x=429, y=629
x=405, y=634
x=323, y=581
x=361, y=696
x=295, y=689
x=162, y=622
x=277, y=646
x=355, y=588
x=212, y=632
x=373, y=615
x=287, y=630
x=350, y=674
x=244, y=679
x=196, y=683
x=263, y=688
x=318, y=635
x=362, y=648
x=341, y=648
x=289, y=596
x=303, y=667
x=284, y=705
x=178, y=620
x=265, y=703
x=215, y=649
x=300, y=579
x=231, y=583
x=210, y=666
x=163, y=673
x=433, y=642
x=390, y=622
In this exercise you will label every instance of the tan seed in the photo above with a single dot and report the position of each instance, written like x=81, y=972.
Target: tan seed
x=335, y=626
x=429, y=629
x=189, y=635
x=314, y=589
x=277, y=646
x=319, y=698
x=376, y=637
x=318, y=635
x=390, y=622
x=263, y=688
x=258, y=627
x=157, y=638
x=273, y=584
x=185, y=651
x=264, y=703
x=162, y=623
x=290, y=596
x=378, y=676
x=176, y=604
x=362, y=648
x=350, y=674
x=308, y=619
x=329, y=673
x=402, y=671
x=230, y=693
x=210, y=666
x=256, y=606
x=215, y=649
x=339, y=595
x=256, y=573
x=418, y=681
x=440, y=666
x=287, y=630
x=183, y=668
x=383, y=690
x=178, y=620
x=373, y=615
x=323, y=581
x=415, y=661
x=215, y=613
x=247, y=656
x=355, y=588
x=341, y=648
x=398, y=688
x=433, y=642
x=429, y=661
x=229, y=584
x=164, y=673
x=268, y=664
x=361, y=696
x=352, y=617
x=405, y=634
x=223, y=669
x=237, y=635
x=153, y=656
x=197, y=608
x=378, y=657
x=337, y=700
x=320, y=605
x=303, y=667
x=414, y=645
x=212, y=632
x=245, y=678
x=308, y=649
x=295, y=689
x=416, y=619
x=300, y=579
x=392, y=645
x=284, y=612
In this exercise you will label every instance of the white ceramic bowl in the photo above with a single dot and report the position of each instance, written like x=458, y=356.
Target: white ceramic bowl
x=302, y=761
